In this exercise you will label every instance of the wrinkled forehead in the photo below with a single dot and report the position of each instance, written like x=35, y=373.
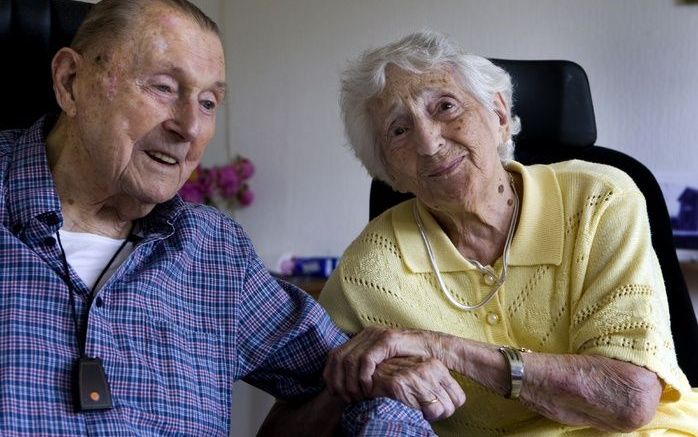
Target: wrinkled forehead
x=163, y=34
x=404, y=87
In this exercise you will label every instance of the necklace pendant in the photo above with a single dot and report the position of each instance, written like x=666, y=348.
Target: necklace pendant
x=91, y=388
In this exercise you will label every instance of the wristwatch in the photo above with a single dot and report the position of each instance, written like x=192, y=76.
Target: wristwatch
x=516, y=368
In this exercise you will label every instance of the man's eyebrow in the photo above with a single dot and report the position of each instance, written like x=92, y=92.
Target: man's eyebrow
x=221, y=87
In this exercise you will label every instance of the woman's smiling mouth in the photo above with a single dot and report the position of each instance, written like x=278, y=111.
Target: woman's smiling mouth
x=447, y=168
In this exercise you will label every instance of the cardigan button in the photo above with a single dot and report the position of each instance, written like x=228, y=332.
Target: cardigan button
x=489, y=278
x=492, y=318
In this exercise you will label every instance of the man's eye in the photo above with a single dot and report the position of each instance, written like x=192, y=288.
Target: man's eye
x=164, y=88
x=208, y=105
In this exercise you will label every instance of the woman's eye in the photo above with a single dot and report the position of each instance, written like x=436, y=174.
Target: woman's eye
x=397, y=131
x=446, y=106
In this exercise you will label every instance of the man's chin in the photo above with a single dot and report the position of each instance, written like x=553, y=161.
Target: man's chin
x=144, y=201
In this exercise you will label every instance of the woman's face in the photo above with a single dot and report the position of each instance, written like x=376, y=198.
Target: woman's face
x=437, y=140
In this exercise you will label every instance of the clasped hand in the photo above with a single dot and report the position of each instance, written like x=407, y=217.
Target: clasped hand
x=405, y=365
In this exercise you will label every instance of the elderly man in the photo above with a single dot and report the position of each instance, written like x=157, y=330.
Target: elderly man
x=125, y=311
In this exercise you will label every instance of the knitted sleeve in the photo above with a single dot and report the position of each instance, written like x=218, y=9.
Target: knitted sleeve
x=334, y=299
x=622, y=311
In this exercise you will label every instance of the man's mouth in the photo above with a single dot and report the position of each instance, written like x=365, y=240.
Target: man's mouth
x=162, y=158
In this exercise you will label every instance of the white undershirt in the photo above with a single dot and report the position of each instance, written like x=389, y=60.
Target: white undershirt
x=88, y=255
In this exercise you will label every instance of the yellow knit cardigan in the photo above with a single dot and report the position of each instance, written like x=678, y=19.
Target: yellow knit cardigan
x=583, y=279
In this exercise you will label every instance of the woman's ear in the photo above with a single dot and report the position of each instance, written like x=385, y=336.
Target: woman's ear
x=502, y=111
x=63, y=71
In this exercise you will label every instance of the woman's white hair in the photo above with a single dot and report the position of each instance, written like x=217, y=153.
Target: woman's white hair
x=419, y=53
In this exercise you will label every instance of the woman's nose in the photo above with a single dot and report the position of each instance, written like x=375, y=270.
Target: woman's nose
x=428, y=137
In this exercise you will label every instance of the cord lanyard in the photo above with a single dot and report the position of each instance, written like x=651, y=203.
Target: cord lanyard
x=90, y=385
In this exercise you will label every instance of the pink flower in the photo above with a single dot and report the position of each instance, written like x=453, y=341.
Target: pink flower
x=205, y=180
x=245, y=196
x=211, y=185
x=244, y=168
x=192, y=192
x=228, y=181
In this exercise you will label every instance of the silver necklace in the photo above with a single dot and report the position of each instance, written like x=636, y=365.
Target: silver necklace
x=487, y=271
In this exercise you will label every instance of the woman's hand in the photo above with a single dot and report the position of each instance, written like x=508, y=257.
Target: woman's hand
x=422, y=383
x=350, y=368
x=601, y=392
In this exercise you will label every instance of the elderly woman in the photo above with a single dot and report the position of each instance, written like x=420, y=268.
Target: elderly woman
x=536, y=287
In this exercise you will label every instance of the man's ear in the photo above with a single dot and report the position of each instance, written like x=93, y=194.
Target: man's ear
x=63, y=71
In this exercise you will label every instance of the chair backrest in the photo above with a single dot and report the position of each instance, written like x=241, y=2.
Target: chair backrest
x=554, y=102
x=31, y=31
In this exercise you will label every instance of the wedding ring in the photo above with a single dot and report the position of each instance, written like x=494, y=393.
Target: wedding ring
x=430, y=402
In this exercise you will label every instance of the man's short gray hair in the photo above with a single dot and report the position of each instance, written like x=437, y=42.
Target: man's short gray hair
x=419, y=53
x=110, y=21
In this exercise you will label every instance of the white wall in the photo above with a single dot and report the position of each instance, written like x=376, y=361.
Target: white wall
x=283, y=63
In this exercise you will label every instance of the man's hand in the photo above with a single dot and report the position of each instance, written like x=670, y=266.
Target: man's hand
x=421, y=383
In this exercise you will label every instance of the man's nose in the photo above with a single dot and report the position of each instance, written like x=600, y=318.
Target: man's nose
x=185, y=120
x=427, y=136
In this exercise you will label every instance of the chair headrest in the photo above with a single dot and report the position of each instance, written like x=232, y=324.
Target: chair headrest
x=31, y=31
x=553, y=100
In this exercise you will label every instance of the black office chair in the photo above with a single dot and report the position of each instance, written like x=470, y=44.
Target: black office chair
x=31, y=31
x=554, y=102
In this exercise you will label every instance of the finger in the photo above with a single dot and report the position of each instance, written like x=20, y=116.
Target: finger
x=434, y=376
x=365, y=377
x=332, y=376
x=453, y=390
x=341, y=370
x=416, y=383
x=357, y=365
x=390, y=380
x=437, y=405
x=383, y=346
x=352, y=386
x=334, y=372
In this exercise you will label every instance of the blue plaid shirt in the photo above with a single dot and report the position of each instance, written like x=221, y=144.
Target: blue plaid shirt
x=188, y=313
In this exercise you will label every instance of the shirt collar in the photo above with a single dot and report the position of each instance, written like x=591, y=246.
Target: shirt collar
x=160, y=221
x=540, y=232
x=31, y=191
x=538, y=238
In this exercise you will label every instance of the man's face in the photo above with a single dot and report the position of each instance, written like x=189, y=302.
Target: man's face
x=146, y=108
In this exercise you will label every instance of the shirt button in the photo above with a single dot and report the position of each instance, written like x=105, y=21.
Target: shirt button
x=50, y=241
x=492, y=318
x=99, y=302
x=489, y=279
x=50, y=219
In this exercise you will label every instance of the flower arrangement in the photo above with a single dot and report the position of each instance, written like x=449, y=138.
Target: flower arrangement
x=224, y=185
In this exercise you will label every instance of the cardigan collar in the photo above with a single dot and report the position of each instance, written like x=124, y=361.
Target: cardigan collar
x=539, y=233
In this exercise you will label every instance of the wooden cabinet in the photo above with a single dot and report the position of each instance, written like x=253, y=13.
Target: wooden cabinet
x=311, y=285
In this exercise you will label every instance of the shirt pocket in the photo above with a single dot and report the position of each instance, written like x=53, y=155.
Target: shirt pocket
x=181, y=378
